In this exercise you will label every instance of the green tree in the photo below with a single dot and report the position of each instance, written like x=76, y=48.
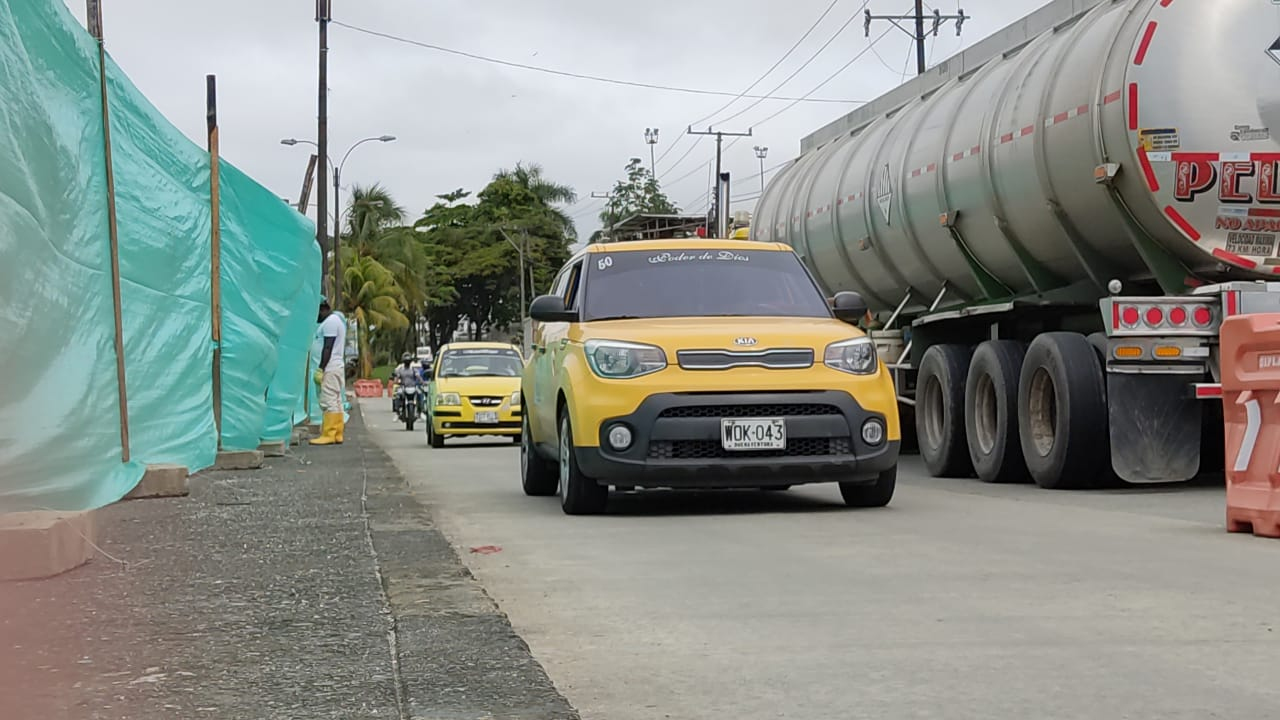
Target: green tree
x=374, y=299
x=638, y=192
x=549, y=194
x=371, y=211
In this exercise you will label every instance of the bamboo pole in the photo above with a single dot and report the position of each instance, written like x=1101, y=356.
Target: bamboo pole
x=94, y=15
x=215, y=272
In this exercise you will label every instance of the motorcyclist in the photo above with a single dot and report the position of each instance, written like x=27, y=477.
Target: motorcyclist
x=406, y=375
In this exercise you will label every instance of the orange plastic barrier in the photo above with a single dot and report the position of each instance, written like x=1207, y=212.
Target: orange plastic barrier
x=1251, y=407
x=368, y=388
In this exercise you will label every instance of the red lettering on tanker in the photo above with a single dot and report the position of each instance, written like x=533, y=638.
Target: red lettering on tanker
x=1230, y=191
x=1194, y=175
x=1198, y=173
x=1249, y=224
x=1268, y=165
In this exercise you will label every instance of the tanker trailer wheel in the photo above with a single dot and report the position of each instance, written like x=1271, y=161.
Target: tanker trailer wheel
x=1062, y=413
x=940, y=410
x=991, y=412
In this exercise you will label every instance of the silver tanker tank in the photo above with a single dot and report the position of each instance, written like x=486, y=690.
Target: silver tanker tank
x=1095, y=139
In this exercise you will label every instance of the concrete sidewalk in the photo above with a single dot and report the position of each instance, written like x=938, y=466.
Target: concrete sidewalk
x=317, y=587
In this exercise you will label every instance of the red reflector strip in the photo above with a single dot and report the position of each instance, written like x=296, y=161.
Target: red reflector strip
x=1028, y=130
x=1182, y=223
x=915, y=173
x=1145, y=44
x=1115, y=316
x=1006, y=138
x=957, y=157
x=1208, y=391
x=933, y=167
x=1133, y=106
x=1060, y=117
x=1147, y=171
x=1112, y=98
x=1233, y=303
x=1166, y=3
x=975, y=149
x=1234, y=258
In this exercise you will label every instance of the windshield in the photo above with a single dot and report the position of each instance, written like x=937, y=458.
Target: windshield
x=700, y=283
x=481, y=363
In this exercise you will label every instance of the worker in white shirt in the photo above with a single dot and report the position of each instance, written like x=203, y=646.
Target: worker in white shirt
x=331, y=376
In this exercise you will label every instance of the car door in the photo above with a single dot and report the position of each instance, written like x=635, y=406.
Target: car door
x=557, y=336
x=542, y=407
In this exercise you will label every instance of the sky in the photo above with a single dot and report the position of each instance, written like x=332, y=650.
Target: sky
x=458, y=120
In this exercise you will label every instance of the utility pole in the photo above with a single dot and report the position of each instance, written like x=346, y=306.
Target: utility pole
x=608, y=196
x=323, y=11
x=651, y=137
x=761, y=153
x=919, y=34
x=720, y=202
x=524, y=302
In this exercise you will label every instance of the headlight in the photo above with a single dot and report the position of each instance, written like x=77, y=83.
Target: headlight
x=857, y=356
x=448, y=400
x=617, y=360
x=515, y=399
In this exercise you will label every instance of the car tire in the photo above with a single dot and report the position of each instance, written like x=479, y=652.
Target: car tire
x=991, y=412
x=579, y=494
x=538, y=476
x=436, y=441
x=1062, y=413
x=874, y=495
x=517, y=439
x=940, y=411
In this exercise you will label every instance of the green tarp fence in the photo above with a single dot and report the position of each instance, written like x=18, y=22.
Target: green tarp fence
x=60, y=442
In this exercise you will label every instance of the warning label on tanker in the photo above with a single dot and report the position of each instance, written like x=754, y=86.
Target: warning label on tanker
x=1159, y=139
x=1246, y=243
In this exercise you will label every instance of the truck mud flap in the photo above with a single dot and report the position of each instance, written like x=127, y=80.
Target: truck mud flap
x=1155, y=428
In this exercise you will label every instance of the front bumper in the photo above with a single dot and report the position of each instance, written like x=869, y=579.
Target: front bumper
x=456, y=421
x=677, y=442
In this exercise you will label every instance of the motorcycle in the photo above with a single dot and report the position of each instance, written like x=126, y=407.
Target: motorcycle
x=409, y=406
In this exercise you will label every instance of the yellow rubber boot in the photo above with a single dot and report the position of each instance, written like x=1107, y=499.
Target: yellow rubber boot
x=339, y=424
x=328, y=433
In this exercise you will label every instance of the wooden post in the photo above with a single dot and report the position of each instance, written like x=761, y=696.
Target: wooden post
x=94, y=15
x=215, y=272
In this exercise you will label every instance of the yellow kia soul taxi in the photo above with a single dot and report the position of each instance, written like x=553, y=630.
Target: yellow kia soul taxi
x=475, y=391
x=702, y=364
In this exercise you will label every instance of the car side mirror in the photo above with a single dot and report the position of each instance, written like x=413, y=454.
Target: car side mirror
x=849, y=306
x=550, y=309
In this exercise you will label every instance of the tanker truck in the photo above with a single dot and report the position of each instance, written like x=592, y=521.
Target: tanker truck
x=1048, y=230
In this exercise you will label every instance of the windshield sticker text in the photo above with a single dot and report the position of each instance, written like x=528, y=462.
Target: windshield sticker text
x=721, y=256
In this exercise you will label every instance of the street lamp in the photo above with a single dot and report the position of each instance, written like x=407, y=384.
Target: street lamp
x=651, y=137
x=524, y=304
x=337, y=205
x=761, y=153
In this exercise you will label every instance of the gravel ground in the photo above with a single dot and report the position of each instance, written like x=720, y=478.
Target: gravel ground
x=270, y=594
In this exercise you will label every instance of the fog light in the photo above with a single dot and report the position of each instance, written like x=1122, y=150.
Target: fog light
x=872, y=432
x=620, y=437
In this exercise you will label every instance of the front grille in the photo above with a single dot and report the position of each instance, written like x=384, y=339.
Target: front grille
x=711, y=449
x=770, y=410
x=479, y=401
x=781, y=359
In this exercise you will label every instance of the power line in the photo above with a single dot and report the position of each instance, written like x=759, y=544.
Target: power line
x=760, y=79
x=806, y=64
x=857, y=56
x=581, y=76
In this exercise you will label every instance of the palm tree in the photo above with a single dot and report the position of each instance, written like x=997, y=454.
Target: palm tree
x=373, y=298
x=549, y=193
x=371, y=210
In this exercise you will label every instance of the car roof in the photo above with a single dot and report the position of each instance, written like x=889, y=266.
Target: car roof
x=478, y=346
x=685, y=244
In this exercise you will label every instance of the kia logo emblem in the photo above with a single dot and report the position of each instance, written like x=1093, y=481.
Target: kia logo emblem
x=744, y=341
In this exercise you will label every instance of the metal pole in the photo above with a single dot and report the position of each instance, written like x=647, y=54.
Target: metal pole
x=920, y=37
x=215, y=265
x=716, y=195
x=113, y=234
x=337, y=238
x=653, y=164
x=323, y=9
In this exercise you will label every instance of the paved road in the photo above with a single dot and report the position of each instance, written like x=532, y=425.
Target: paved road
x=958, y=601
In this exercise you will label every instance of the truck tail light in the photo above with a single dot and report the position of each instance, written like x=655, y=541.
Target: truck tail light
x=1202, y=316
x=1178, y=316
x=1155, y=317
x=1130, y=316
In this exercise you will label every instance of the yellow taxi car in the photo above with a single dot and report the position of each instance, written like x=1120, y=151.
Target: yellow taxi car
x=475, y=390
x=702, y=364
